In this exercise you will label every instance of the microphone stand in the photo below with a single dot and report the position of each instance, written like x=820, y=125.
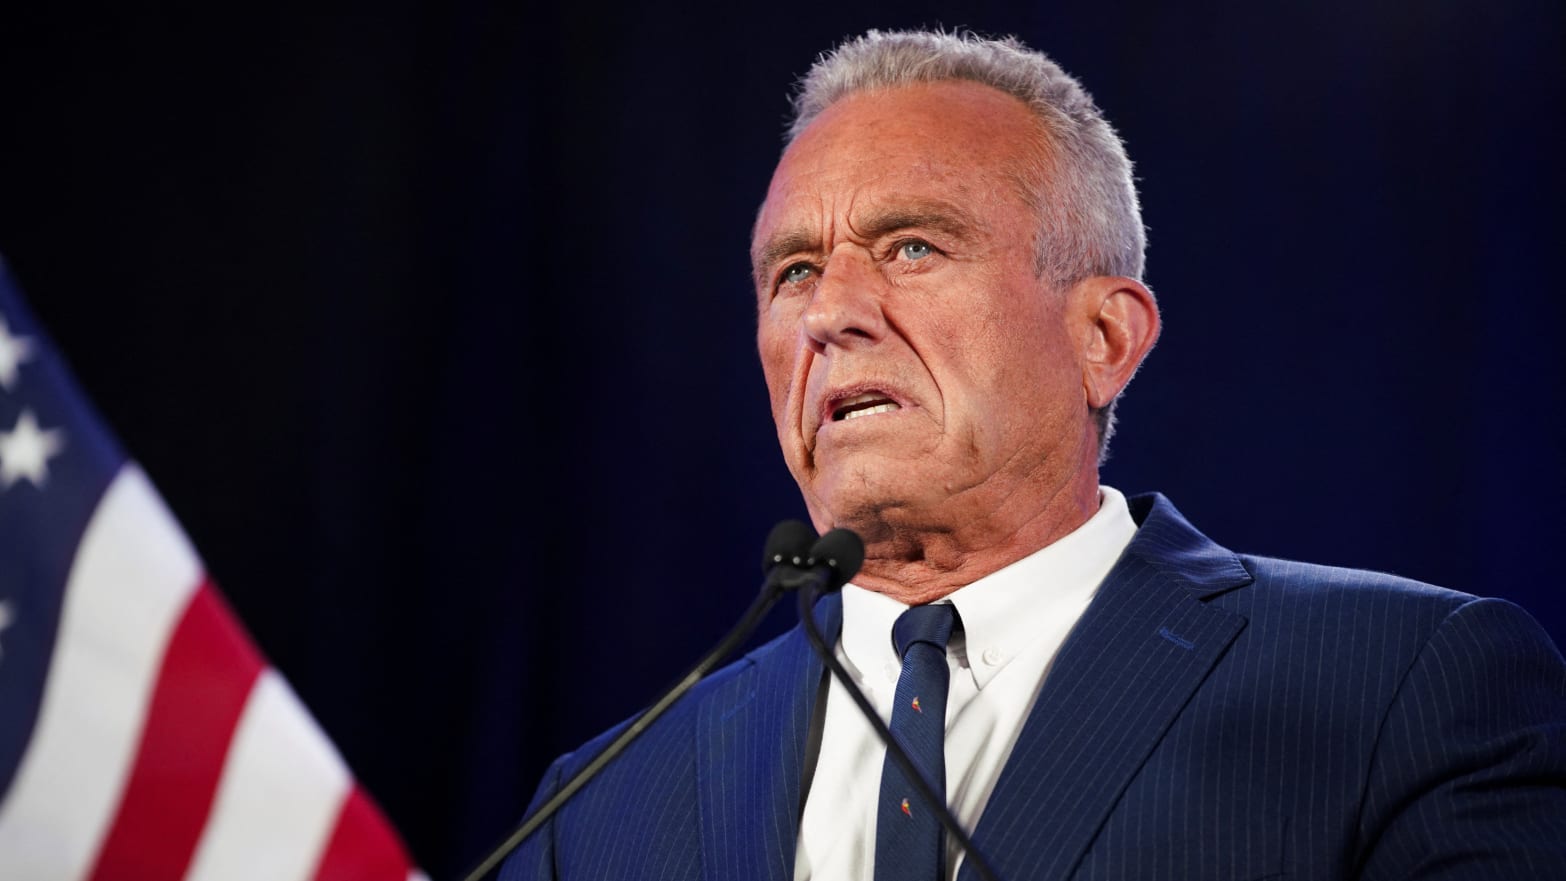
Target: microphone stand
x=772, y=589
x=809, y=592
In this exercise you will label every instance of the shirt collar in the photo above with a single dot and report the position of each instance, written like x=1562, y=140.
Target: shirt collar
x=1005, y=612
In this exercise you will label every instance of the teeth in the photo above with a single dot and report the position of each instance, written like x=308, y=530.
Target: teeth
x=878, y=408
x=860, y=399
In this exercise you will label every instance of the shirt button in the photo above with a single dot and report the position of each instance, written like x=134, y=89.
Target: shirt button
x=892, y=671
x=993, y=656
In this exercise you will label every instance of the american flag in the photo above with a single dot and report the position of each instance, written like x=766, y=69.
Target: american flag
x=142, y=735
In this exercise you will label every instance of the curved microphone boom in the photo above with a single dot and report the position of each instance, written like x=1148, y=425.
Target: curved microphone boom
x=832, y=562
x=782, y=559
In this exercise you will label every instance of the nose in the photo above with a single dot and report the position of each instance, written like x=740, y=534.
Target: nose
x=845, y=308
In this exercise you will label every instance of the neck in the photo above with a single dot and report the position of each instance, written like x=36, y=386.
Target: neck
x=918, y=562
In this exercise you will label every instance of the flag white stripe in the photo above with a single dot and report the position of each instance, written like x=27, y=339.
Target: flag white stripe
x=132, y=577
x=283, y=786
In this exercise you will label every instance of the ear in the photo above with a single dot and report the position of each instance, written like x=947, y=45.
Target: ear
x=1120, y=326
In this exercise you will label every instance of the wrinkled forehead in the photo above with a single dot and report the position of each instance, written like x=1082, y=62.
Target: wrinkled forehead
x=859, y=185
x=959, y=142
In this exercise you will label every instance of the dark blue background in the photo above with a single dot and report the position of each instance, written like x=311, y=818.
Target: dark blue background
x=432, y=321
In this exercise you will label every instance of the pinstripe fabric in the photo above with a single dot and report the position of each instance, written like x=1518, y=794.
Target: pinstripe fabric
x=750, y=742
x=1211, y=717
x=712, y=791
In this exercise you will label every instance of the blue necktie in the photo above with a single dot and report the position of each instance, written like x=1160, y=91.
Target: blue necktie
x=908, y=837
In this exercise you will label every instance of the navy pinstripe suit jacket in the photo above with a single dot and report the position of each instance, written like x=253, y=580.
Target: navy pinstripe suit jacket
x=1212, y=717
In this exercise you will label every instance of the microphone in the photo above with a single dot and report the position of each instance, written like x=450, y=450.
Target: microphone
x=833, y=559
x=786, y=550
x=831, y=563
x=790, y=542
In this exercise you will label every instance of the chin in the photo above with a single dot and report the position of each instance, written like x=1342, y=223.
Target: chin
x=872, y=508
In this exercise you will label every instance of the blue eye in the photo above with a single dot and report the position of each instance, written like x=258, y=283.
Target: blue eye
x=797, y=273
x=915, y=250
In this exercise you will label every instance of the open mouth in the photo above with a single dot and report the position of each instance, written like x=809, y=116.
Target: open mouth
x=867, y=404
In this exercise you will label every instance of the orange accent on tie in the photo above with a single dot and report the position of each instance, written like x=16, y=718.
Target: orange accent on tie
x=905, y=808
x=916, y=704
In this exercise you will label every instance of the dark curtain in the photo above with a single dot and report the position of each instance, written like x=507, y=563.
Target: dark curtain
x=432, y=321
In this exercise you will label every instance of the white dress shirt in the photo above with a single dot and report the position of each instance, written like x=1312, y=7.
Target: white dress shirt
x=1013, y=623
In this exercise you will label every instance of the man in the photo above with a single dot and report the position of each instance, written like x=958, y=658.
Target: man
x=947, y=271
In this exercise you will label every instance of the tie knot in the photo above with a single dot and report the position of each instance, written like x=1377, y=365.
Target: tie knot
x=931, y=624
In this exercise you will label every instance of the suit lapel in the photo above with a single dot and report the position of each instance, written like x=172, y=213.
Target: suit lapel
x=1141, y=649
x=751, y=743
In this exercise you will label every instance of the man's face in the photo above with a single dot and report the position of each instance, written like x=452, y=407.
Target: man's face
x=921, y=370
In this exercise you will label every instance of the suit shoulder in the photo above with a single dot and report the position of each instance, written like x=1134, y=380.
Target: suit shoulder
x=1292, y=601
x=1287, y=579
x=1394, y=614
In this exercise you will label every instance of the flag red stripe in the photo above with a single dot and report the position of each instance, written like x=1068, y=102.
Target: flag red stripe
x=206, y=677
x=363, y=846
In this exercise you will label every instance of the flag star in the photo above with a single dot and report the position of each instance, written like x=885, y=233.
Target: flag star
x=13, y=351
x=25, y=451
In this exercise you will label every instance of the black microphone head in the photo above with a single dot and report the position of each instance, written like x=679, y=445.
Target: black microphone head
x=788, y=541
x=841, y=550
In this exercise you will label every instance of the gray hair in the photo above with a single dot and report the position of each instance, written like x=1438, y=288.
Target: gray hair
x=1090, y=222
